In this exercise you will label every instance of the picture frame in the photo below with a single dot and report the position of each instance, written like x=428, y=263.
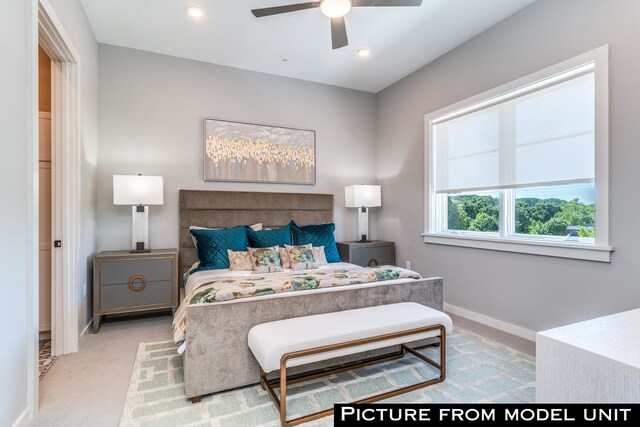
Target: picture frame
x=249, y=152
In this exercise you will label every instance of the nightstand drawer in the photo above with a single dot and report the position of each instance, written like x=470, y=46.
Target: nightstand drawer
x=372, y=256
x=142, y=295
x=134, y=282
x=120, y=271
x=368, y=254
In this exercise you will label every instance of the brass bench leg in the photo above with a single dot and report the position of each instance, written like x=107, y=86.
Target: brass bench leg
x=281, y=401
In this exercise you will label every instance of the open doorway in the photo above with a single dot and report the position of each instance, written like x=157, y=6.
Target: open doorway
x=64, y=207
x=45, y=199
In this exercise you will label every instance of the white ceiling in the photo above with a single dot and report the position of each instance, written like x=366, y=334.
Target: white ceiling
x=401, y=39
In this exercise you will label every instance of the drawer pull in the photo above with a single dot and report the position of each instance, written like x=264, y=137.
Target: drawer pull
x=373, y=262
x=140, y=278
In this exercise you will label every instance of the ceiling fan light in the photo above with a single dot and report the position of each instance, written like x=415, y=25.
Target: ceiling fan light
x=194, y=11
x=335, y=8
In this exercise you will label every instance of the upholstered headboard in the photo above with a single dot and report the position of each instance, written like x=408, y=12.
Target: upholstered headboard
x=221, y=209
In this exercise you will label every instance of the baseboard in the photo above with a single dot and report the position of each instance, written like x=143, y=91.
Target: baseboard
x=23, y=419
x=490, y=321
x=86, y=328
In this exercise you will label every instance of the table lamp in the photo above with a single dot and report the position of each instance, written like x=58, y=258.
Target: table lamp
x=363, y=197
x=138, y=192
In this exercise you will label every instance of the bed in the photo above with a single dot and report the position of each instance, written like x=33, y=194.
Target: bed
x=216, y=355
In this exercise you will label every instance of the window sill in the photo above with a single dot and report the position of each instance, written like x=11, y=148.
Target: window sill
x=552, y=249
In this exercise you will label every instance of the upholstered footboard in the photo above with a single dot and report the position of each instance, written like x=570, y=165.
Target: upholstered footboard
x=218, y=358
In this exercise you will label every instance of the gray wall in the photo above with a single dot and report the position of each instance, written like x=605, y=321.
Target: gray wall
x=18, y=160
x=151, y=122
x=14, y=193
x=529, y=291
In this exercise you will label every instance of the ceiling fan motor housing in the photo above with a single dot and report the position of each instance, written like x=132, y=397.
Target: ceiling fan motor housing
x=336, y=10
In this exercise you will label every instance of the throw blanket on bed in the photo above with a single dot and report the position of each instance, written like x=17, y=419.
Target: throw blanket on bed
x=229, y=288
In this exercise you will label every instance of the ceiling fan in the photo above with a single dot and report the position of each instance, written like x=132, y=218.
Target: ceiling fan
x=336, y=10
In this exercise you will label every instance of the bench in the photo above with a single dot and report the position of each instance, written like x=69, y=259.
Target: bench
x=302, y=340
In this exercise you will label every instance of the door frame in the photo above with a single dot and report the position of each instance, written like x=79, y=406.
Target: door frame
x=47, y=29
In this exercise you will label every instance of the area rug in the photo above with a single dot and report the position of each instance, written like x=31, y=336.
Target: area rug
x=45, y=360
x=478, y=370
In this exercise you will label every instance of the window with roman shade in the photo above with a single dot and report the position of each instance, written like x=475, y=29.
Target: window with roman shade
x=525, y=163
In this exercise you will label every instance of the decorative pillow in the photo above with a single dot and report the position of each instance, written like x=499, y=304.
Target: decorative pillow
x=301, y=257
x=265, y=260
x=269, y=238
x=317, y=235
x=239, y=261
x=256, y=227
x=284, y=258
x=212, y=246
x=193, y=268
x=319, y=256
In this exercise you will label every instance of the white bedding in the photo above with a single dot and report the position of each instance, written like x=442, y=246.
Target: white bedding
x=196, y=279
x=200, y=277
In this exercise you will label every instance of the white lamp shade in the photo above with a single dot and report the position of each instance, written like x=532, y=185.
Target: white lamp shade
x=134, y=190
x=358, y=196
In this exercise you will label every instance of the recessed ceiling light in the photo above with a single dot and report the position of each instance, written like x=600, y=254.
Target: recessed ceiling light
x=335, y=8
x=363, y=52
x=194, y=11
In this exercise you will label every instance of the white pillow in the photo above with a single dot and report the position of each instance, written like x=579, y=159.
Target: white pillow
x=239, y=260
x=284, y=258
x=319, y=256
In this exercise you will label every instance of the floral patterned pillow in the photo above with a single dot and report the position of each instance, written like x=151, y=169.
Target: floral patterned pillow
x=284, y=258
x=265, y=260
x=301, y=257
x=239, y=260
x=318, y=254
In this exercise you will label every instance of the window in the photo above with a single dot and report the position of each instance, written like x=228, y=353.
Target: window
x=524, y=167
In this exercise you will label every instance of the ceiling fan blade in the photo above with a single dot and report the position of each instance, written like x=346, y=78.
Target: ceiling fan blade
x=276, y=10
x=380, y=3
x=338, y=33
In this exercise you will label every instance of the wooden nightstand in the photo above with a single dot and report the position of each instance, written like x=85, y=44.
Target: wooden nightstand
x=126, y=282
x=371, y=254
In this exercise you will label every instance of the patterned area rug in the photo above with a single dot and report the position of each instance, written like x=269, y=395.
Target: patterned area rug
x=478, y=370
x=45, y=361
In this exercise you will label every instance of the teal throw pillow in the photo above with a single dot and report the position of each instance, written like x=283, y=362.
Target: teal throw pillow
x=269, y=238
x=317, y=235
x=212, y=246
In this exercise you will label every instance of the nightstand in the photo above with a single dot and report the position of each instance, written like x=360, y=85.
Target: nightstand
x=125, y=282
x=370, y=254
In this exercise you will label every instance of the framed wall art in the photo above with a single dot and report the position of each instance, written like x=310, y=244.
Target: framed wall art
x=246, y=152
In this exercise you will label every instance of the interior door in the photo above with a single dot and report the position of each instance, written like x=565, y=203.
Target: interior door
x=45, y=220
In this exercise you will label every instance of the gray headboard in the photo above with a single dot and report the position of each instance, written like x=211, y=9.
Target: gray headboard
x=221, y=209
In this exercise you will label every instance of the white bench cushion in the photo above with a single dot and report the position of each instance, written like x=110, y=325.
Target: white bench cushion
x=270, y=341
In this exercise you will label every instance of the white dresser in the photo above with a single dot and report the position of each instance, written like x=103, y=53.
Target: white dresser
x=596, y=360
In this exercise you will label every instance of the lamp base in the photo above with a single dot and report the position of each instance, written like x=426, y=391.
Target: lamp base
x=363, y=240
x=139, y=248
x=139, y=227
x=363, y=224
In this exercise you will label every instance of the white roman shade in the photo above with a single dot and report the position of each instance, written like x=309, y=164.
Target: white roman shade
x=540, y=134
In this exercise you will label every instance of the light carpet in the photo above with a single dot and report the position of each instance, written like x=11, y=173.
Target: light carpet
x=478, y=370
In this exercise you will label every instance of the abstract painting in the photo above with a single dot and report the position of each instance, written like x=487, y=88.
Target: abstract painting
x=248, y=152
